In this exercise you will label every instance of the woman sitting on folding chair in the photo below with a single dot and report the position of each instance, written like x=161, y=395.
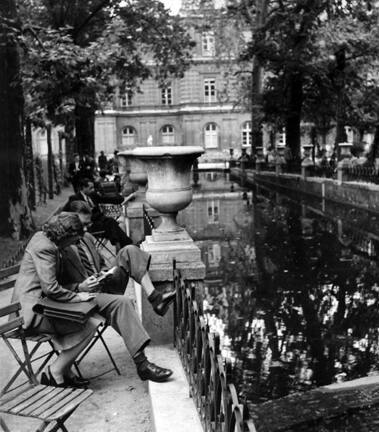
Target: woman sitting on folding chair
x=38, y=278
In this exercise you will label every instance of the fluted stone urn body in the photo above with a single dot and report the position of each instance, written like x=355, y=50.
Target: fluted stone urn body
x=127, y=187
x=137, y=174
x=169, y=181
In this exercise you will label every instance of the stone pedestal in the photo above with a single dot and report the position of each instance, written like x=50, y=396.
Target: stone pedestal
x=163, y=251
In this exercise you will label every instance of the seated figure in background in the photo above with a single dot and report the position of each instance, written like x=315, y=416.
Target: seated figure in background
x=100, y=222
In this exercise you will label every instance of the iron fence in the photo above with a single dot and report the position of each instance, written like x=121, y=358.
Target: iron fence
x=215, y=397
x=148, y=223
x=366, y=173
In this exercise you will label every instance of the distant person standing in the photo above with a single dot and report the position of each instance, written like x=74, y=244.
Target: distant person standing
x=115, y=162
x=102, y=162
x=88, y=167
x=75, y=172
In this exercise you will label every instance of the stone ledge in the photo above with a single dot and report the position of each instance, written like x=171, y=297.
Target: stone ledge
x=172, y=409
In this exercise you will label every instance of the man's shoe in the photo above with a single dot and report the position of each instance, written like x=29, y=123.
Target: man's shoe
x=162, y=307
x=152, y=372
x=76, y=382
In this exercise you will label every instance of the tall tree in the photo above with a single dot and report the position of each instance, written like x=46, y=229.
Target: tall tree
x=83, y=52
x=14, y=211
x=309, y=50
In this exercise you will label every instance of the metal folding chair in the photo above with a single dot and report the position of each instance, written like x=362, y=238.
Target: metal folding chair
x=51, y=405
x=43, y=349
x=98, y=337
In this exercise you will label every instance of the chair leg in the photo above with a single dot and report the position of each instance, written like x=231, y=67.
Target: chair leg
x=98, y=335
x=109, y=353
x=59, y=423
x=3, y=425
x=40, y=368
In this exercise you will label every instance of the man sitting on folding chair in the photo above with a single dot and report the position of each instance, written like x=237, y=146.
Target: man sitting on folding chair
x=84, y=260
x=82, y=267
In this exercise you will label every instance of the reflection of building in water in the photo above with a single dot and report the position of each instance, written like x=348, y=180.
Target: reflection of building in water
x=215, y=220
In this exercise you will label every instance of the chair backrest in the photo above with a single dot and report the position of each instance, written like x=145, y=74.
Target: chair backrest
x=9, y=327
x=108, y=189
x=8, y=277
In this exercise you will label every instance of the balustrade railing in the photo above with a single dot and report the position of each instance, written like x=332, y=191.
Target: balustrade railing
x=207, y=373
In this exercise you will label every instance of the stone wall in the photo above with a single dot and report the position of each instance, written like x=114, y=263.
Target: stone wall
x=358, y=194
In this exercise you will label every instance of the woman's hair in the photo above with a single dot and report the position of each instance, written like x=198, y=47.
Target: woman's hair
x=62, y=227
x=80, y=207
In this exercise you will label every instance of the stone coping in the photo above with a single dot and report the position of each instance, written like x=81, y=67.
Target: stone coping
x=172, y=409
x=167, y=151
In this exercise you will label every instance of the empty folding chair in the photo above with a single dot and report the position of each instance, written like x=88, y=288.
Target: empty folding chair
x=51, y=405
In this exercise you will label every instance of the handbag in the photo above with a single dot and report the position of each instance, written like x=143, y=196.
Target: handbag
x=77, y=312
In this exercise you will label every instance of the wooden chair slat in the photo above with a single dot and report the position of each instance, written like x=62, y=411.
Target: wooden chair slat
x=63, y=410
x=11, y=308
x=45, y=402
x=9, y=283
x=30, y=338
x=9, y=271
x=25, y=394
x=27, y=404
x=11, y=325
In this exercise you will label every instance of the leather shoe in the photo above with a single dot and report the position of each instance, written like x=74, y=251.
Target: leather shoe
x=162, y=307
x=152, y=372
x=75, y=381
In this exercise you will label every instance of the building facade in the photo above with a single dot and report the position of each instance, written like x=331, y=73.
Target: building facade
x=198, y=109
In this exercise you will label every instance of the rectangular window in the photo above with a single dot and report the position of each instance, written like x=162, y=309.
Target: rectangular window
x=126, y=100
x=208, y=44
x=213, y=213
x=214, y=254
x=167, y=96
x=209, y=90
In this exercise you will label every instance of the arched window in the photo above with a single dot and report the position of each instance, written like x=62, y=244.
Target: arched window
x=128, y=136
x=246, y=134
x=211, y=136
x=168, y=135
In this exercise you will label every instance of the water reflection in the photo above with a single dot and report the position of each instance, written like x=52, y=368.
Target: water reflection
x=292, y=291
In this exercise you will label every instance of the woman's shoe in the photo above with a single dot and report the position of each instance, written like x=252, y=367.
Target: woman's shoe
x=75, y=381
x=44, y=379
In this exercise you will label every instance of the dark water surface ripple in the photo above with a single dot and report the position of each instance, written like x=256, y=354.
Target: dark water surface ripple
x=292, y=286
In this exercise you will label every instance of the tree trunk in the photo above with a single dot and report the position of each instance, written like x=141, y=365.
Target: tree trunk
x=85, y=130
x=29, y=165
x=15, y=218
x=293, y=116
x=50, y=162
x=256, y=89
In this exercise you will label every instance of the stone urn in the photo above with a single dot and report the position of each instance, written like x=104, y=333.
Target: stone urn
x=169, y=181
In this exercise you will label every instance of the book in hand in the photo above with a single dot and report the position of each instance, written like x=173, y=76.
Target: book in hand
x=78, y=312
x=106, y=274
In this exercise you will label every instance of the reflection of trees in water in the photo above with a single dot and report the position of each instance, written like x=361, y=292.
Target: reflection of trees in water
x=307, y=316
